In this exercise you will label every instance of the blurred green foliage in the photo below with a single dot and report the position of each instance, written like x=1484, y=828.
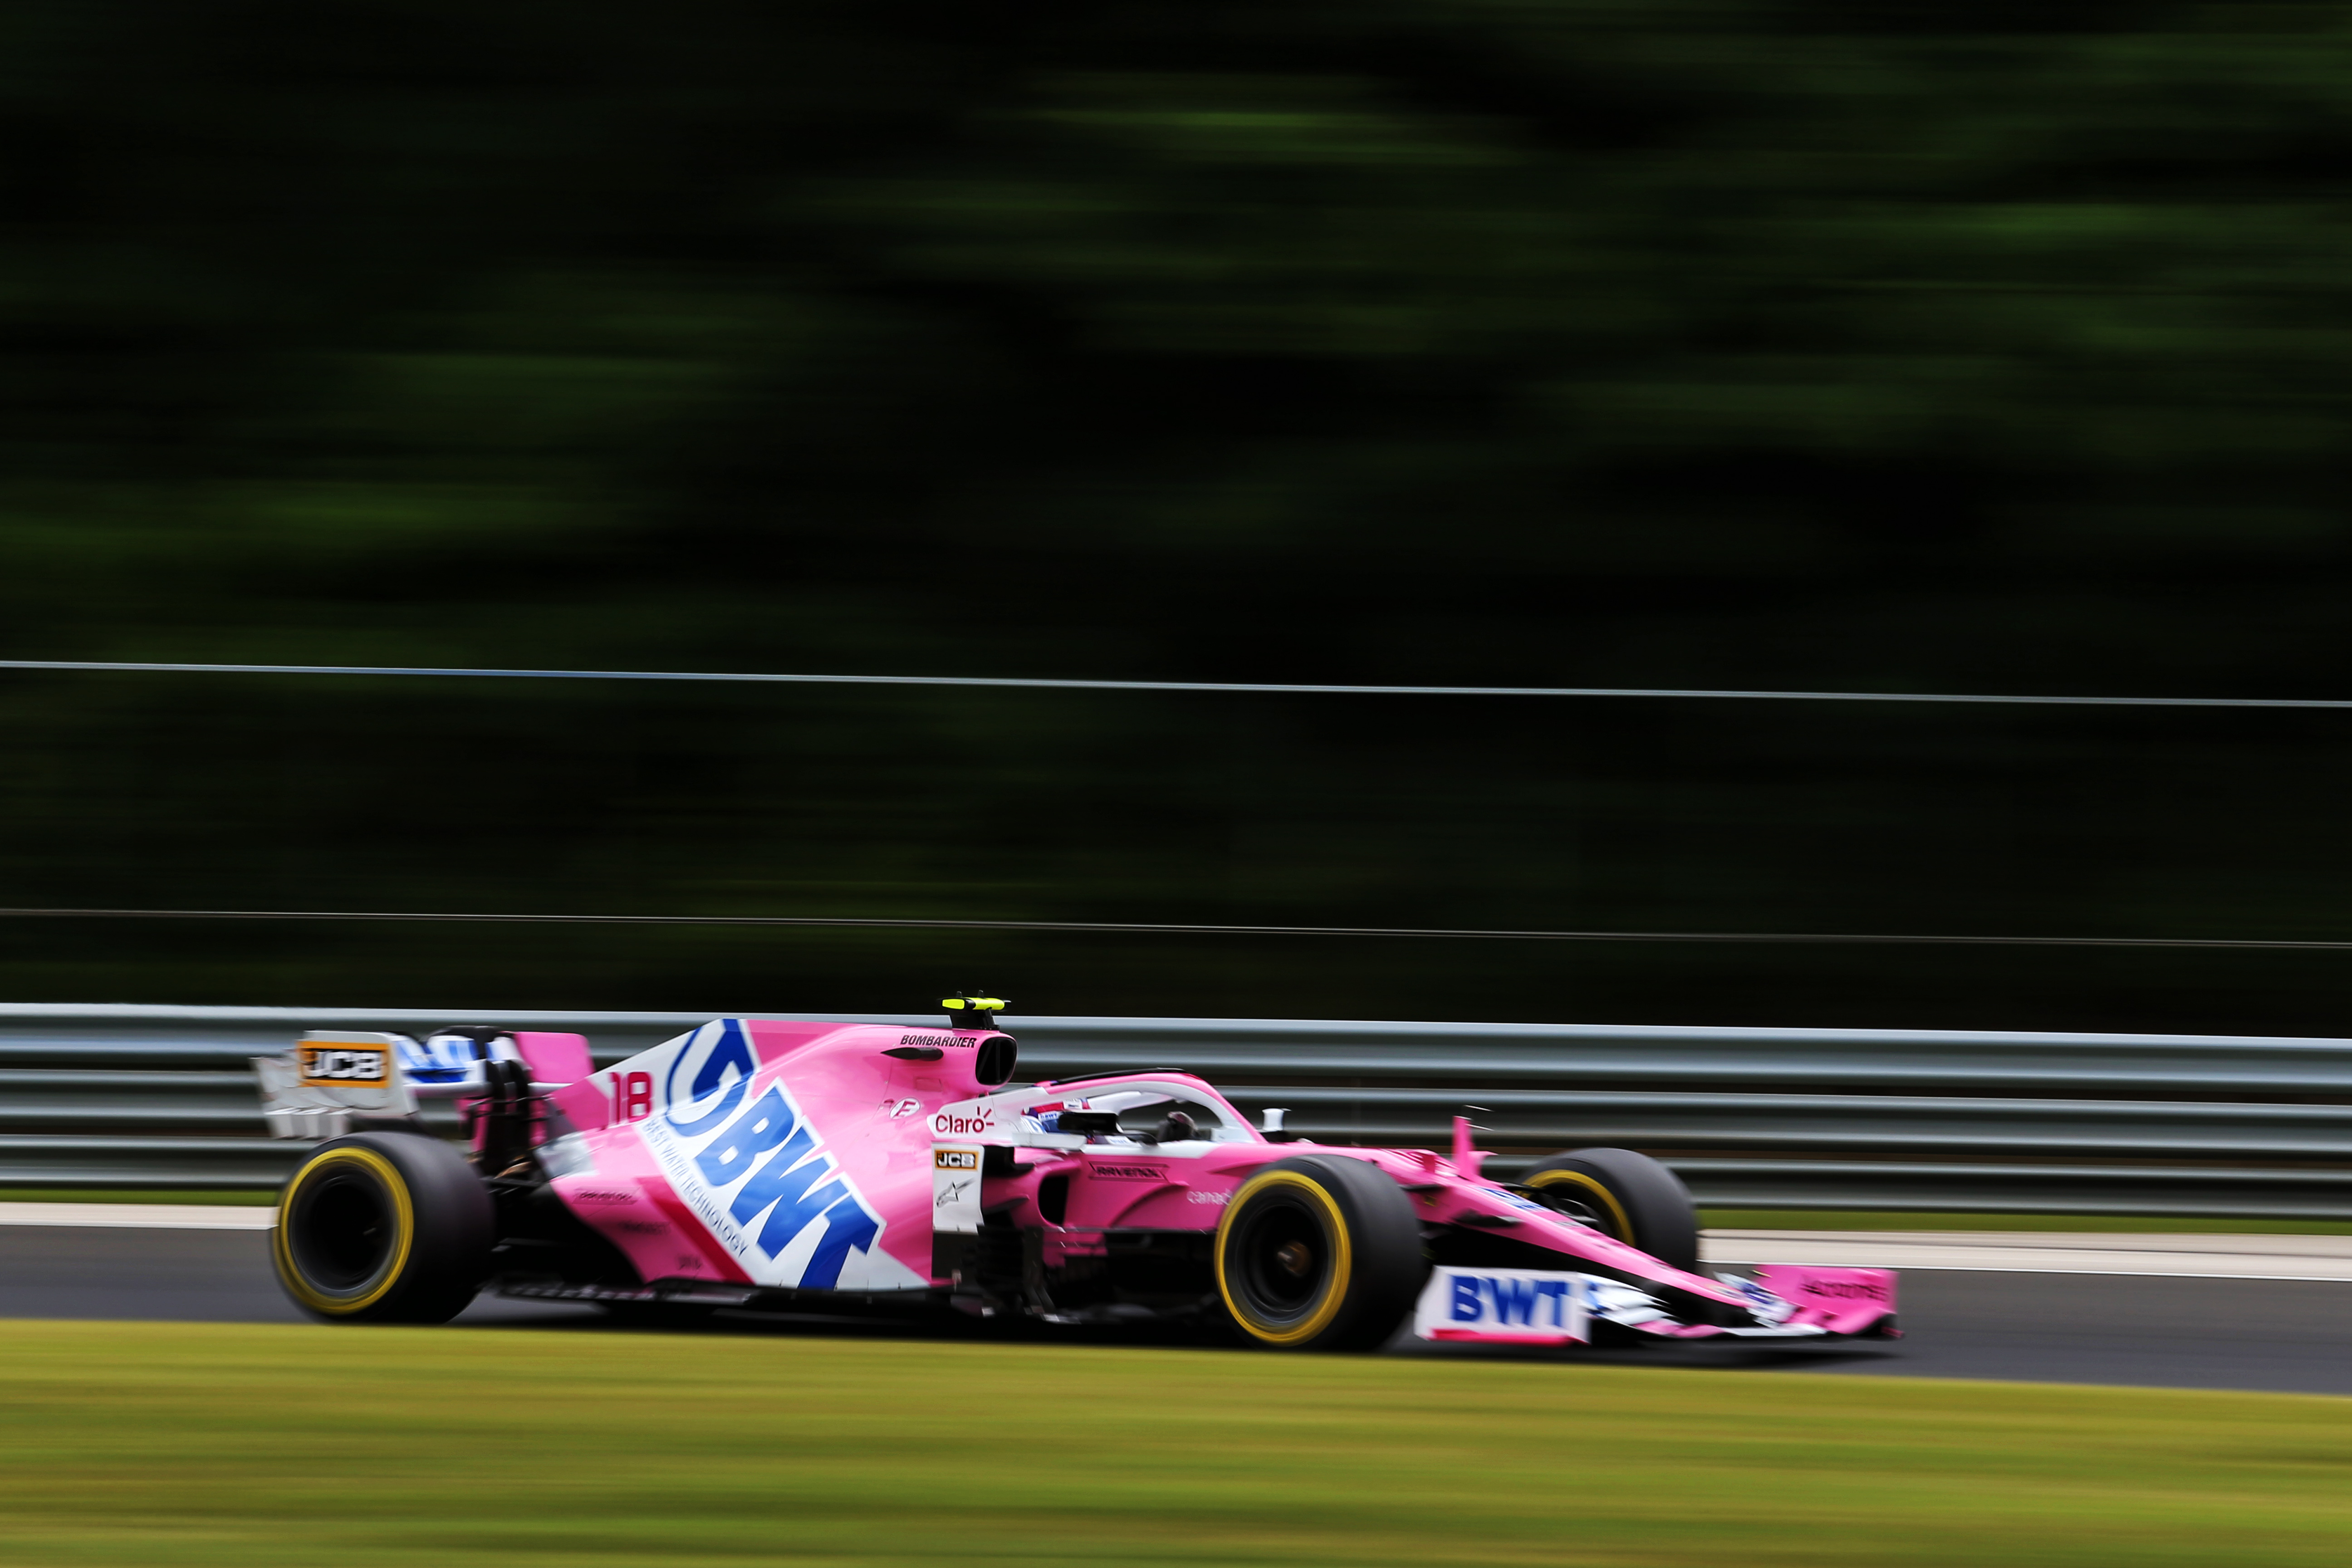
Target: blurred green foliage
x=1993, y=347
x=267, y=1446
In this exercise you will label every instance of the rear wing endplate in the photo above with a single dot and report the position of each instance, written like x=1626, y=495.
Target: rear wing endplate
x=328, y=1079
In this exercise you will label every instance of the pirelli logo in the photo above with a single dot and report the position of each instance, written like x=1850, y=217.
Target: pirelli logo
x=346, y=1066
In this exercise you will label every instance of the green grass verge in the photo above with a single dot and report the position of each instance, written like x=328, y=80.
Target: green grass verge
x=1882, y=1219
x=240, y=1196
x=169, y=1444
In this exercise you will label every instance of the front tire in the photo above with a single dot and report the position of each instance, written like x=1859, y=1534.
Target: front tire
x=1626, y=1197
x=1319, y=1253
x=384, y=1227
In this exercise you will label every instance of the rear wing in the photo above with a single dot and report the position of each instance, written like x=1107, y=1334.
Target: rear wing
x=315, y=1089
x=333, y=1079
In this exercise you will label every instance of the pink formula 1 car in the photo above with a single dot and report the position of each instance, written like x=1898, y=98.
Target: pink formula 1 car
x=786, y=1166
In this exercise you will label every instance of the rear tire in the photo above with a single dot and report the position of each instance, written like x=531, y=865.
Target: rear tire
x=384, y=1227
x=1624, y=1195
x=1320, y=1252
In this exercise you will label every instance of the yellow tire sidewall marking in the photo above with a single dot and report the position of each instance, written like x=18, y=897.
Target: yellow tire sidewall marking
x=1594, y=1185
x=404, y=1240
x=1334, y=1290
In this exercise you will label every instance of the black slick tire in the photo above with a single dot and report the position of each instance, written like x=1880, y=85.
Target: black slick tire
x=1628, y=1196
x=384, y=1227
x=1318, y=1252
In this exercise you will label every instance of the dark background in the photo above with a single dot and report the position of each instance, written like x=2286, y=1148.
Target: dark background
x=1975, y=347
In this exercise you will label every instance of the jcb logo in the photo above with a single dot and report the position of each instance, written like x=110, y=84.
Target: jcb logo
x=335, y=1065
x=955, y=1159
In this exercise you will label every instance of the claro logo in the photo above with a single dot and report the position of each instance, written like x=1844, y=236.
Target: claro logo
x=956, y=1125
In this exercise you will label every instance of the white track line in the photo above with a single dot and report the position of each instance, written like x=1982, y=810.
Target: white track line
x=2212, y=1257
x=143, y=1217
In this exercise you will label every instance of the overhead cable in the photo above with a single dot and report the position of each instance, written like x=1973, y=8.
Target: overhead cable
x=1267, y=688
x=1178, y=928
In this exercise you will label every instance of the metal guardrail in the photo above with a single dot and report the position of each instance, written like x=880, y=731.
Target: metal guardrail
x=161, y=1097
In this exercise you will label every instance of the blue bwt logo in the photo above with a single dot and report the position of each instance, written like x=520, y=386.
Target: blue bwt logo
x=724, y=1063
x=767, y=1165
x=1511, y=1301
x=1516, y=1306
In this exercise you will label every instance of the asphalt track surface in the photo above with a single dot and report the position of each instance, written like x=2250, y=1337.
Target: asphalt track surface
x=2285, y=1336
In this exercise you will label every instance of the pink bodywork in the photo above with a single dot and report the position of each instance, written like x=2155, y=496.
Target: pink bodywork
x=1841, y=1301
x=658, y=1174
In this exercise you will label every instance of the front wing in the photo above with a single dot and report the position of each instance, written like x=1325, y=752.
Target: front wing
x=1552, y=1307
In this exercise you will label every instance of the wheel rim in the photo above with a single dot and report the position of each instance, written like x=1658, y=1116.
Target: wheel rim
x=1584, y=1199
x=345, y=1230
x=1282, y=1259
x=1285, y=1260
